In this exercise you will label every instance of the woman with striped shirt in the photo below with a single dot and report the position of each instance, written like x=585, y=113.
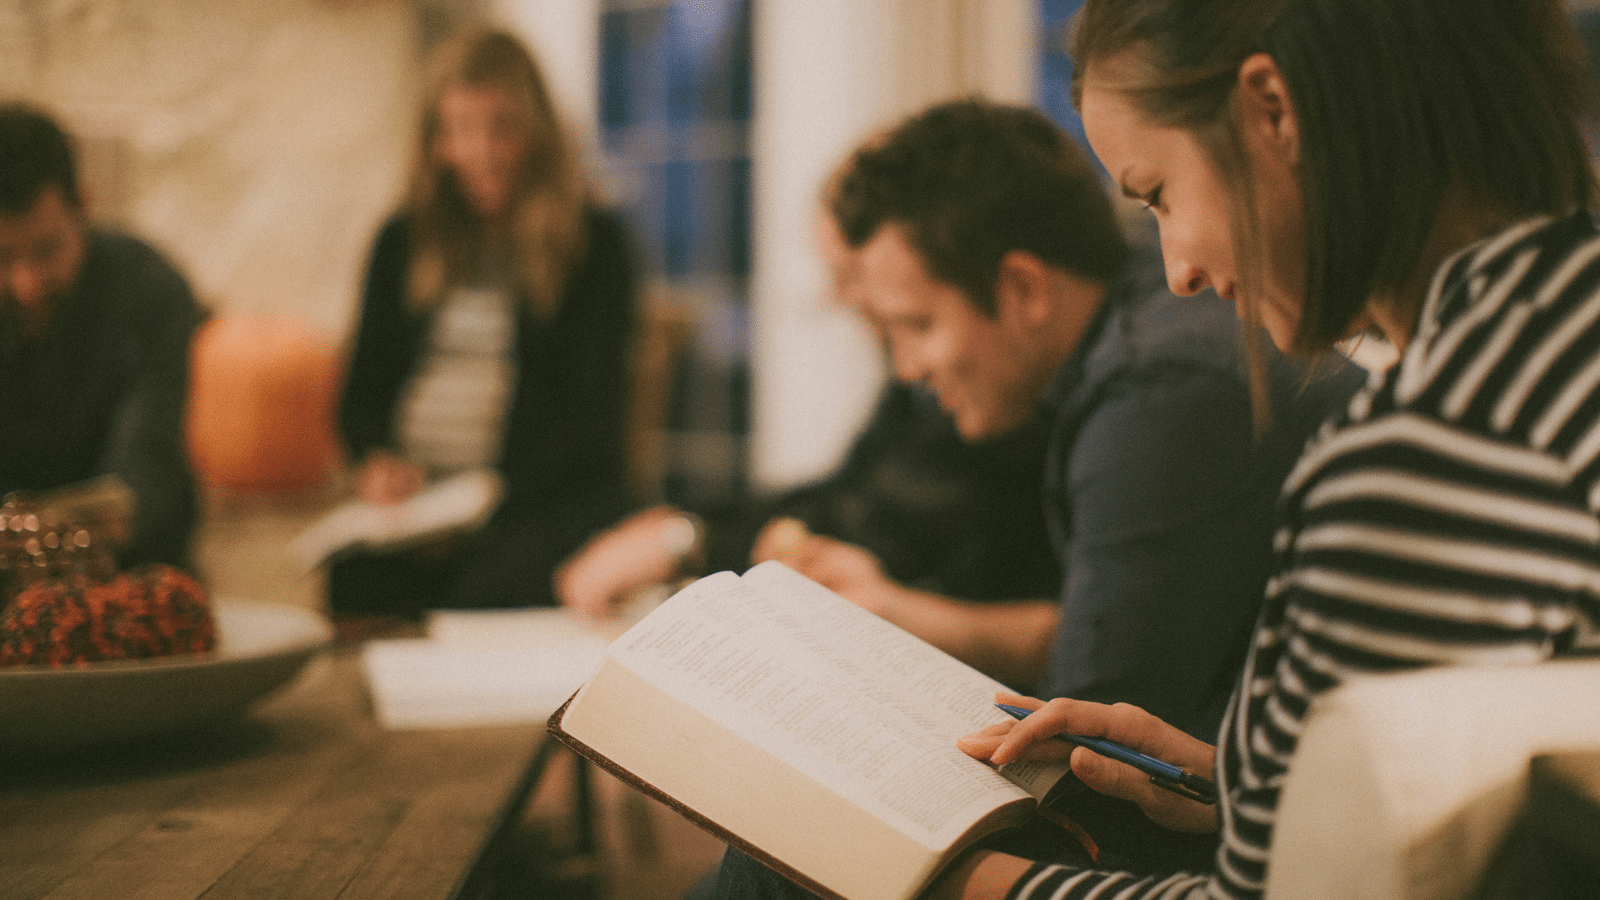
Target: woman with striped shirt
x=1413, y=167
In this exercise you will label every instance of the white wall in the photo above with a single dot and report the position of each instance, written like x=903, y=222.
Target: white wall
x=258, y=144
x=820, y=86
x=829, y=73
x=564, y=36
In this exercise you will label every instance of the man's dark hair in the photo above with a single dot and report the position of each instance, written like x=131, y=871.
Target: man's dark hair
x=970, y=181
x=35, y=153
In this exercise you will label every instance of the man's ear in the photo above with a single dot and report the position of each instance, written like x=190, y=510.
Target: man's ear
x=1022, y=289
x=1265, y=109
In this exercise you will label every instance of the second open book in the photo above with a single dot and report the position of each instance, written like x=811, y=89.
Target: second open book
x=804, y=730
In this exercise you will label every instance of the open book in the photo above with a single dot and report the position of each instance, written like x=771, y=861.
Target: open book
x=804, y=730
x=453, y=505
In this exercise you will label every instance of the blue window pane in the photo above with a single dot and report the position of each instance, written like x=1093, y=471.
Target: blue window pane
x=1058, y=10
x=716, y=227
x=633, y=66
x=1054, y=87
x=683, y=69
x=678, y=220
x=708, y=61
x=615, y=63
x=738, y=62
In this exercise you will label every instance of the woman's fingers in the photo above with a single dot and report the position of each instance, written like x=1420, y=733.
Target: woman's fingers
x=1034, y=738
x=982, y=744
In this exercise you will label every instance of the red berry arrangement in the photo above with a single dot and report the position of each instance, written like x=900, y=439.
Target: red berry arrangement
x=64, y=605
x=154, y=610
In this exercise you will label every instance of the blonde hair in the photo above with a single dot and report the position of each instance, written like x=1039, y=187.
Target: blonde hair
x=548, y=198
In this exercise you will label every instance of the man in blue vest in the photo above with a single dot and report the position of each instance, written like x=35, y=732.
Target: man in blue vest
x=988, y=255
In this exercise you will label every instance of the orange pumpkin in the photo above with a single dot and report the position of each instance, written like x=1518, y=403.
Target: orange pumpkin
x=261, y=405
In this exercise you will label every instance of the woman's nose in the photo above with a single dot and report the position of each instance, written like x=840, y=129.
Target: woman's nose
x=1184, y=279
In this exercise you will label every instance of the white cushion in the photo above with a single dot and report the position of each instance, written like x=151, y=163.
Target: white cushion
x=1403, y=786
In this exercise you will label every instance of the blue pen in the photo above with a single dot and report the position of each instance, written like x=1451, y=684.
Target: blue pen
x=1162, y=774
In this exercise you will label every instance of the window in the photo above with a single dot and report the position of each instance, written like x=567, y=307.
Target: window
x=675, y=99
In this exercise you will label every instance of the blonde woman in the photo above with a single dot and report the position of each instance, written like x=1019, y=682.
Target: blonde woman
x=496, y=320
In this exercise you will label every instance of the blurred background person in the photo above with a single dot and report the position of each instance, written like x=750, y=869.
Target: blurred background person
x=988, y=253
x=495, y=332
x=945, y=514
x=95, y=332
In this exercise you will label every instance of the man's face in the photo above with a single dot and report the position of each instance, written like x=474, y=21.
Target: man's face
x=976, y=365
x=40, y=254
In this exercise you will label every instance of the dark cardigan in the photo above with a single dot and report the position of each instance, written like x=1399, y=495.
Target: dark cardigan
x=564, y=455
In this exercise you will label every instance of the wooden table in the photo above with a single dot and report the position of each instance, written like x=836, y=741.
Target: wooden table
x=304, y=798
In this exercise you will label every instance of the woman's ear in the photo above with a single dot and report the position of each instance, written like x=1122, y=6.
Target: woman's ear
x=1265, y=109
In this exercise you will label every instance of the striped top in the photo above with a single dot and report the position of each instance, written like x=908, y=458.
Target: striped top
x=1448, y=517
x=453, y=411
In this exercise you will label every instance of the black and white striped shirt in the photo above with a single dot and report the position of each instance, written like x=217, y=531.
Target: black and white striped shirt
x=452, y=414
x=1450, y=517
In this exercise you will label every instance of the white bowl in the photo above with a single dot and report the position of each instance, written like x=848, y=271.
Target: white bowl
x=260, y=646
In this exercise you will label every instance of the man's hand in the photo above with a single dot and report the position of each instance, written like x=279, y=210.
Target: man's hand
x=1127, y=725
x=847, y=569
x=616, y=563
x=1009, y=640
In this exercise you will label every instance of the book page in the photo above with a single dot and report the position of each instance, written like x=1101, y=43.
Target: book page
x=807, y=675
x=459, y=503
x=941, y=693
x=423, y=683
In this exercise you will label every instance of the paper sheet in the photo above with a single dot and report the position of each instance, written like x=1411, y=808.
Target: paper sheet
x=482, y=667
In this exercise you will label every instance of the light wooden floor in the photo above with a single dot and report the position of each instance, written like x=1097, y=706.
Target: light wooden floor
x=643, y=851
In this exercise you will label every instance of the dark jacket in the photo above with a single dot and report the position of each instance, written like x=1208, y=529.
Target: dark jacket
x=1161, y=498
x=564, y=454
x=104, y=390
x=565, y=433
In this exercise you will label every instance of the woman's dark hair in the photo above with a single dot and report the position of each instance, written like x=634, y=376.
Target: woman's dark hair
x=970, y=181
x=35, y=153
x=1401, y=105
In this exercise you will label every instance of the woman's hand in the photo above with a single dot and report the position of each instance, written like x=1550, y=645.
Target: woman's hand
x=1127, y=725
x=385, y=478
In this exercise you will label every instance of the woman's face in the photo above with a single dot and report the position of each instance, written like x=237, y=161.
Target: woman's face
x=1167, y=170
x=483, y=138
